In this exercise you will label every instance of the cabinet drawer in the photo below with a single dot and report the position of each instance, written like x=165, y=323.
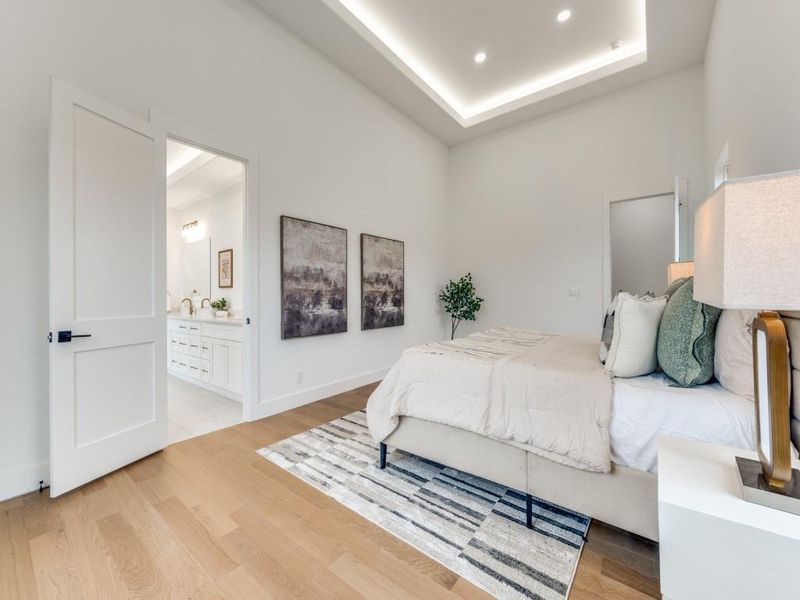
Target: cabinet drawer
x=195, y=345
x=232, y=333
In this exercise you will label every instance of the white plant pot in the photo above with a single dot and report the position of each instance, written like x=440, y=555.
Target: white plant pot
x=222, y=314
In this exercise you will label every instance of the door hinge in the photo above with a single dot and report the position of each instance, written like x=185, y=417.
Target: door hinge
x=247, y=321
x=50, y=337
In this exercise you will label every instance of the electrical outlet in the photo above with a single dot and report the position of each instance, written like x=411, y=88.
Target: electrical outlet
x=299, y=377
x=574, y=291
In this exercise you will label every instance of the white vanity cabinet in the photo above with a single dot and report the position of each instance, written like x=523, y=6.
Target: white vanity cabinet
x=207, y=353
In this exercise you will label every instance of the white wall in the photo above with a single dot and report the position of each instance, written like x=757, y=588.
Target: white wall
x=526, y=202
x=752, y=73
x=329, y=151
x=222, y=217
x=642, y=244
x=174, y=256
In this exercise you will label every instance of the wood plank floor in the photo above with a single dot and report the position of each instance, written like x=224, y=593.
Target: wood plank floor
x=208, y=518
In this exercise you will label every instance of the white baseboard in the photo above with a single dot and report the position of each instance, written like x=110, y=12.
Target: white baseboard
x=295, y=400
x=26, y=479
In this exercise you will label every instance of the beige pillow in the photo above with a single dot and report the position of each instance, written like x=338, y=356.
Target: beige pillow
x=733, y=354
x=633, y=344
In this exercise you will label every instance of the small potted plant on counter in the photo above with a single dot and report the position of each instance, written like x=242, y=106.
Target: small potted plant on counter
x=221, y=306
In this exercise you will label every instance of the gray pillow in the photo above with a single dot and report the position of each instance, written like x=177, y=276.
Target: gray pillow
x=686, y=338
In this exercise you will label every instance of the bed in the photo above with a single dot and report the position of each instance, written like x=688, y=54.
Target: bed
x=434, y=404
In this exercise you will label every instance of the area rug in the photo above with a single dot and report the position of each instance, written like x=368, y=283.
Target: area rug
x=472, y=526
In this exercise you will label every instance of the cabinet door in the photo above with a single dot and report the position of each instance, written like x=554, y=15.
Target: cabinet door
x=226, y=364
x=220, y=359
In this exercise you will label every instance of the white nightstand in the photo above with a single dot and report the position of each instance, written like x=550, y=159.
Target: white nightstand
x=713, y=544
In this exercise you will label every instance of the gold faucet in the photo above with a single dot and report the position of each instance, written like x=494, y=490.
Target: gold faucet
x=203, y=302
x=191, y=305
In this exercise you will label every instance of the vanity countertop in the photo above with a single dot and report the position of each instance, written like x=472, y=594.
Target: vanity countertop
x=212, y=320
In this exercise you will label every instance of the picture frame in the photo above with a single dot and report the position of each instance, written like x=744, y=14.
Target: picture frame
x=313, y=278
x=382, y=282
x=225, y=268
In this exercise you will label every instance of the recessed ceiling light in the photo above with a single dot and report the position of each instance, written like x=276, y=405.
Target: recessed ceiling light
x=480, y=57
x=564, y=16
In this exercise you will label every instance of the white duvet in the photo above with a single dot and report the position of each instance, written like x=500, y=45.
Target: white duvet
x=545, y=393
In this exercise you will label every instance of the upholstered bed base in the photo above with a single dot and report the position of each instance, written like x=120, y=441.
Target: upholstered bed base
x=625, y=498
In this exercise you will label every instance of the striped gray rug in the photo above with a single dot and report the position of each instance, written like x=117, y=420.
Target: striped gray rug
x=474, y=527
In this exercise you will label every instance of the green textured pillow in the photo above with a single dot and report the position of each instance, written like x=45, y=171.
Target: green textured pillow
x=686, y=338
x=673, y=287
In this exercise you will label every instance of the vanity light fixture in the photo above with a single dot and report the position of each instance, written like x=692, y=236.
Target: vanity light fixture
x=564, y=16
x=188, y=229
x=480, y=57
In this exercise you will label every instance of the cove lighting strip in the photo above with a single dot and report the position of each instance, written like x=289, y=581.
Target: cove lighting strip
x=379, y=34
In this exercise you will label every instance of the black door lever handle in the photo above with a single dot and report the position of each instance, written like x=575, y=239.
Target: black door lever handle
x=66, y=336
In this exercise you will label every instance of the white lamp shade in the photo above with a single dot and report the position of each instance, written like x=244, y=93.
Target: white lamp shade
x=676, y=270
x=747, y=244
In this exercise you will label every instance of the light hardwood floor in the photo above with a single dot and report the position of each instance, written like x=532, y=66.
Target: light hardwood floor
x=208, y=518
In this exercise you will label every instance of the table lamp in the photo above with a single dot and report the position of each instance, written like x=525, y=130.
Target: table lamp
x=747, y=256
x=677, y=270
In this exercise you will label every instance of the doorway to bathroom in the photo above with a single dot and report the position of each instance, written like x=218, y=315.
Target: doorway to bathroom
x=205, y=283
x=211, y=272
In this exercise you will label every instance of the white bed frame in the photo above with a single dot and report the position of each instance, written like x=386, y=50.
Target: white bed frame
x=625, y=497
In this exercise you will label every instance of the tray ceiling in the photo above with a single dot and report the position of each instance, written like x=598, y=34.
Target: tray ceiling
x=421, y=54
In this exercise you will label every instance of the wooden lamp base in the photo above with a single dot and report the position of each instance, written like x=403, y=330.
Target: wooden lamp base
x=755, y=489
x=772, y=482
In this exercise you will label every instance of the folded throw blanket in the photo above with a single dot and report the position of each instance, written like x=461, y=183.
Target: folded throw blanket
x=545, y=393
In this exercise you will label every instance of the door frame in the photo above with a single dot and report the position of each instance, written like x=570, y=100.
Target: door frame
x=679, y=191
x=246, y=153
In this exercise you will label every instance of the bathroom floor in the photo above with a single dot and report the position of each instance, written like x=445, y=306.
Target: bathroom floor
x=194, y=411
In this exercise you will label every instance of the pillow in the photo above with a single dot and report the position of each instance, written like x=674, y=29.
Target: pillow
x=673, y=287
x=608, y=330
x=792, y=322
x=635, y=330
x=733, y=352
x=686, y=338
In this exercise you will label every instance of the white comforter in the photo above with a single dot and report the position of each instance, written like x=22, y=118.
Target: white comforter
x=545, y=393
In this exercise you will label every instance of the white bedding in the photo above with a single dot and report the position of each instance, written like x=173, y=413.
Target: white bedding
x=438, y=384
x=545, y=393
x=646, y=407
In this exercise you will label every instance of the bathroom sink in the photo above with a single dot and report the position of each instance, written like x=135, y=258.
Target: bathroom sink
x=204, y=313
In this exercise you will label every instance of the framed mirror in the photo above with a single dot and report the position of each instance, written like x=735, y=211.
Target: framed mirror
x=197, y=268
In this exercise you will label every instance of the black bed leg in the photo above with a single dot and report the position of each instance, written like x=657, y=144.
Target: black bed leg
x=528, y=511
x=383, y=456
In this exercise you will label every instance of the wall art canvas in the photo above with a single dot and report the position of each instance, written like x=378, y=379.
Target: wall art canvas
x=313, y=278
x=382, y=282
x=225, y=268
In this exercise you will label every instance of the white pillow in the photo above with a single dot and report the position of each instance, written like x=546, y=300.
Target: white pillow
x=633, y=346
x=733, y=352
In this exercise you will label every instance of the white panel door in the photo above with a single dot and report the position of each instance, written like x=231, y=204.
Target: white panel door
x=107, y=281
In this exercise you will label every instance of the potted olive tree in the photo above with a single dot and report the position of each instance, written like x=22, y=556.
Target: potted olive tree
x=460, y=302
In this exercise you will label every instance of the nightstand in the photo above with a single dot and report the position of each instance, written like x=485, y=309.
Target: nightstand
x=713, y=544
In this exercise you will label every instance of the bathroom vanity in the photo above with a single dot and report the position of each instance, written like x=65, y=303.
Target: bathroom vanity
x=206, y=352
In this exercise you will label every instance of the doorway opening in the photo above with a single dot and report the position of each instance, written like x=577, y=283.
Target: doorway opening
x=643, y=233
x=206, y=279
